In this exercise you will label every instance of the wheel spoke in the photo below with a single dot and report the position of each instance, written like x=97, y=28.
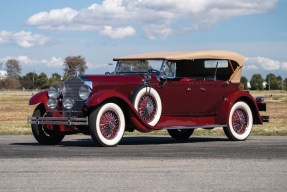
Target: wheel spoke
x=109, y=124
x=239, y=121
x=147, y=107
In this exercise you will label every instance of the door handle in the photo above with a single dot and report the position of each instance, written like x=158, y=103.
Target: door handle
x=202, y=89
x=189, y=89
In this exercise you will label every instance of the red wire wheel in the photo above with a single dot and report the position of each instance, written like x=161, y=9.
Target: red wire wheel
x=109, y=124
x=240, y=122
x=148, y=104
x=147, y=107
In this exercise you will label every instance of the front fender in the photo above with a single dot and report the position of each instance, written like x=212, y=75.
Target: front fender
x=100, y=97
x=229, y=100
x=41, y=97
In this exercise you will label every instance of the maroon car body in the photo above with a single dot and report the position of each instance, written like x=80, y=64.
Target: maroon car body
x=194, y=89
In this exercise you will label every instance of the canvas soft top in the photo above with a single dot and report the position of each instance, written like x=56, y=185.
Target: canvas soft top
x=186, y=55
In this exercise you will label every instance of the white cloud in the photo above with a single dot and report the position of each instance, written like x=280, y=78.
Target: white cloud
x=252, y=67
x=165, y=14
x=265, y=63
x=54, y=19
x=25, y=61
x=118, y=33
x=23, y=38
x=154, y=31
x=284, y=66
x=54, y=62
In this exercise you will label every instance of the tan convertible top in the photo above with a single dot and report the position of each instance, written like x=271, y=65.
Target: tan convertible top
x=186, y=55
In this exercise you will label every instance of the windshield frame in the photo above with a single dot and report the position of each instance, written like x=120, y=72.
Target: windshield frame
x=153, y=66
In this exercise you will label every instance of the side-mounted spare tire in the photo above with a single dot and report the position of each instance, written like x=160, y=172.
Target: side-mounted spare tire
x=147, y=102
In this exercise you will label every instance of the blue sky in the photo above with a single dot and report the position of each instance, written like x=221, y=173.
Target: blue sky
x=41, y=34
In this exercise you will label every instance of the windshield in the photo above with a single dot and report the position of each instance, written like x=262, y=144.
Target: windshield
x=138, y=66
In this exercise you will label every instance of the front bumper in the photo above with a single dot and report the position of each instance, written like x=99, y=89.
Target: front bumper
x=68, y=121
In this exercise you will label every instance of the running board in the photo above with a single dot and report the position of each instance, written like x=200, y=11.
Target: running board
x=195, y=127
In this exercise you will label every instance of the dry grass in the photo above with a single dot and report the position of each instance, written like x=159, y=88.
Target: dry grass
x=14, y=110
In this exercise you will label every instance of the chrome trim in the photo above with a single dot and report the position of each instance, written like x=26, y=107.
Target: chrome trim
x=62, y=111
x=58, y=121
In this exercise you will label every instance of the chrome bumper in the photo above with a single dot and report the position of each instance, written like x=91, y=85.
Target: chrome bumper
x=69, y=121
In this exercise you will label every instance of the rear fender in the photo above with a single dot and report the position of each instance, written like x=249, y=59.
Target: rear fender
x=103, y=96
x=223, y=115
x=41, y=97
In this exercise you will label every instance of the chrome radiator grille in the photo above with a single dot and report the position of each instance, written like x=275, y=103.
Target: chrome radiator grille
x=71, y=90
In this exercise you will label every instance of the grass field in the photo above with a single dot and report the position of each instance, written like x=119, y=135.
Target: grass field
x=14, y=111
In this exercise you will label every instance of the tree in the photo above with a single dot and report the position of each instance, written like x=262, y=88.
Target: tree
x=272, y=81
x=13, y=68
x=279, y=82
x=256, y=82
x=55, y=79
x=13, y=73
x=74, y=64
x=42, y=81
x=285, y=84
x=11, y=83
x=30, y=77
x=244, y=82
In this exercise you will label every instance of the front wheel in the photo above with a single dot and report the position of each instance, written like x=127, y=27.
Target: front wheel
x=180, y=134
x=107, y=124
x=240, y=122
x=41, y=133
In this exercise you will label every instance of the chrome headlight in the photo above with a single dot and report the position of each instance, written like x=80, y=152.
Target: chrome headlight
x=84, y=92
x=54, y=92
x=52, y=103
x=68, y=103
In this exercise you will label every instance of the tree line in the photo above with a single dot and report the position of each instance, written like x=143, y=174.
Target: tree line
x=271, y=82
x=32, y=80
x=73, y=64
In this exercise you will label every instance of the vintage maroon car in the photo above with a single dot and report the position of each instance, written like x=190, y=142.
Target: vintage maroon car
x=176, y=91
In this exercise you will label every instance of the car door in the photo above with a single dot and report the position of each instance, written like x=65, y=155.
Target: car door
x=175, y=96
x=210, y=96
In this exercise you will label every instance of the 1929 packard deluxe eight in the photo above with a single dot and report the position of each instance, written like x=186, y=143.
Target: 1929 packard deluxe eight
x=176, y=91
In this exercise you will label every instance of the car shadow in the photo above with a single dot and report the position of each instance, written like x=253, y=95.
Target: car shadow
x=152, y=140
x=130, y=140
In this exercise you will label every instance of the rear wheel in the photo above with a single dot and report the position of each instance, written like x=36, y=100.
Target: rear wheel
x=107, y=124
x=41, y=132
x=180, y=134
x=240, y=122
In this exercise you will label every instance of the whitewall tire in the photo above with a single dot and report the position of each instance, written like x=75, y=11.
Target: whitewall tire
x=240, y=122
x=107, y=124
x=148, y=104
